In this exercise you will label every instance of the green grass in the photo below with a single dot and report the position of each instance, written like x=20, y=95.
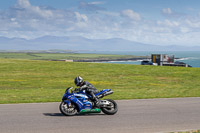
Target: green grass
x=24, y=81
x=71, y=56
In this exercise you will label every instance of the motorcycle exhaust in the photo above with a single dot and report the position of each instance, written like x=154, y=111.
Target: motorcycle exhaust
x=105, y=94
x=108, y=93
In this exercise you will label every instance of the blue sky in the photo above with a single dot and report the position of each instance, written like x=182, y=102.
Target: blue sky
x=161, y=22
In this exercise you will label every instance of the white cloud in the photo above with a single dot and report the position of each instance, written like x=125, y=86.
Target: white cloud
x=168, y=23
x=167, y=11
x=108, y=13
x=25, y=20
x=97, y=3
x=184, y=29
x=131, y=15
x=193, y=24
x=91, y=6
x=25, y=6
x=28, y=21
x=81, y=17
x=23, y=3
x=82, y=20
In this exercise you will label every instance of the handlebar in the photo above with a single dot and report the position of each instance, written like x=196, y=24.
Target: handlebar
x=72, y=91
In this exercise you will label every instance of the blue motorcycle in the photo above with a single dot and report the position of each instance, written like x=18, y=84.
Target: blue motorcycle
x=78, y=102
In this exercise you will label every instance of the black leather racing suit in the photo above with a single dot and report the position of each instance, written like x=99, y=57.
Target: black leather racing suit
x=90, y=89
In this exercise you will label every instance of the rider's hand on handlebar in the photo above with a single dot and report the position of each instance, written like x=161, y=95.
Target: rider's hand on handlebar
x=76, y=89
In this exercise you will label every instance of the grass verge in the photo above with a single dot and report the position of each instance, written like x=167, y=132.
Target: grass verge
x=191, y=131
x=23, y=81
x=68, y=56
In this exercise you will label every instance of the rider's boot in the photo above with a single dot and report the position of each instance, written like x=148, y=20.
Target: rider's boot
x=96, y=102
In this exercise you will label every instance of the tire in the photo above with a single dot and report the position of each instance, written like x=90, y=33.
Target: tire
x=112, y=110
x=68, y=111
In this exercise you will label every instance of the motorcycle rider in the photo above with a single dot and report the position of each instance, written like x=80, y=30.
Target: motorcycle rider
x=89, y=88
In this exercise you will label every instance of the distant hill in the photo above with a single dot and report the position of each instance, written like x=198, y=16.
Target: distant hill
x=81, y=43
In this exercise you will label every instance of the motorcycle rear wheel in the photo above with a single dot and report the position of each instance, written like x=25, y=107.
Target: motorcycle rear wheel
x=112, y=109
x=66, y=110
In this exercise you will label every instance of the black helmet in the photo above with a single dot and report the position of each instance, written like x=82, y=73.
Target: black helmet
x=78, y=80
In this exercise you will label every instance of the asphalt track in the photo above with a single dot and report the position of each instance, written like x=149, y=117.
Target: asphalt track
x=134, y=116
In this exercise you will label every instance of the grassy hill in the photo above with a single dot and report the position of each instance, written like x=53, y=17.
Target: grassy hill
x=24, y=80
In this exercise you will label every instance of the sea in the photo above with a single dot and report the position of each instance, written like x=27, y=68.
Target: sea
x=189, y=57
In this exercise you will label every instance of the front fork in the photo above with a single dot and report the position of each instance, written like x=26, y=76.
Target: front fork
x=68, y=103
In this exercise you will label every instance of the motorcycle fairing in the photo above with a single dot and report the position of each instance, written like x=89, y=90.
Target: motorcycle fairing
x=79, y=99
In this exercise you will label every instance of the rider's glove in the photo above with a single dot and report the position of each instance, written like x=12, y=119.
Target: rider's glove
x=77, y=89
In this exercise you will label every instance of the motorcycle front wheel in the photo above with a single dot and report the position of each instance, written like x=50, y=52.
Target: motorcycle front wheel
x=68, y=110
x=111, y=109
